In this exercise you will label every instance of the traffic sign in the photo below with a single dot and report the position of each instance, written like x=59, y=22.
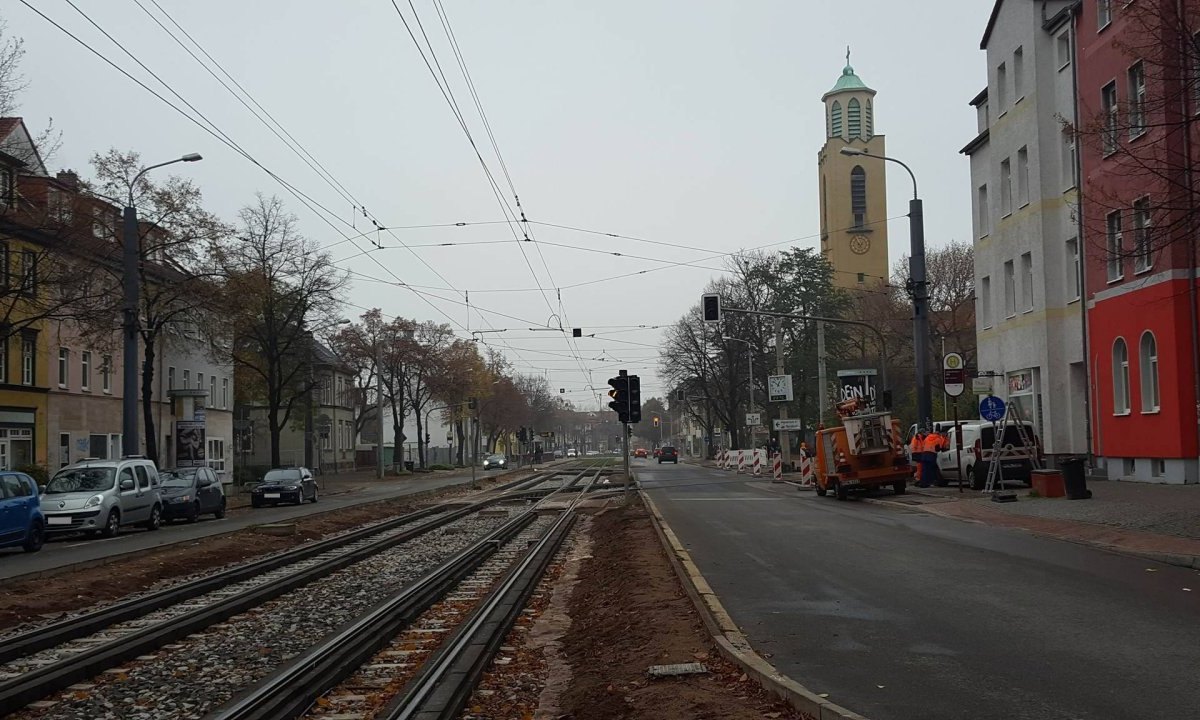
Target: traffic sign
x=787, y=424
x=981, y=385
x=753, y=419
x=953, y=374
x=991, y=408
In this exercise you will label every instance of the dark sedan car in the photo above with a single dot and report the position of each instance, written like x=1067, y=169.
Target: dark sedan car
x=188, y=493
x=285, y=485
x=668, y=454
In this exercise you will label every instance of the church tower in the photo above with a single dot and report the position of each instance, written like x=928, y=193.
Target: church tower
x=853, y=189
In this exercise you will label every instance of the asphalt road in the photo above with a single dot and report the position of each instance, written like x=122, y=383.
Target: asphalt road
x=901, y=615
x=71, y=549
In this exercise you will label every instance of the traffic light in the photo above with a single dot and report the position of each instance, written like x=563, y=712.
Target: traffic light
x=711, y=305
x=635, y=399
x=576, y=332
x=620, y=396
x=472, y=404
x=655, y=421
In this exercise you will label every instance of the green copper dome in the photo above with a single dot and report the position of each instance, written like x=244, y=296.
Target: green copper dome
x=848, y=81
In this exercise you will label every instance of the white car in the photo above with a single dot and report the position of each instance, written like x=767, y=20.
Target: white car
x=592, y=452
x=571, y=452
x=978, y=445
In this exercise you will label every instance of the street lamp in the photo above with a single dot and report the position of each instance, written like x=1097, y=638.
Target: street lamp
x=130, y=442
x=917, y=287
x=750, y=358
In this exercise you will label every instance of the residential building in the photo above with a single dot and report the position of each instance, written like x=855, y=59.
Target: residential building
x=853, y=189
x=1027, y=245
x=334, y=438
x=1137, y=102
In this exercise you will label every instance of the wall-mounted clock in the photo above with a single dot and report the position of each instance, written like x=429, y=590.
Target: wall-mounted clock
x=860, y=244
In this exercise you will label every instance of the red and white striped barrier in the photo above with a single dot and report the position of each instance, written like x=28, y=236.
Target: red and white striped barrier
x=741, y=461
x=778, y=468
x=806, y=472
x=758, y=460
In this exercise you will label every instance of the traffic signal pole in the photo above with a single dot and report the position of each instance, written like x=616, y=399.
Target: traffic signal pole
x=625, y=431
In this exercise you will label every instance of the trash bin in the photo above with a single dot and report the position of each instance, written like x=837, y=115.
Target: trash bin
x=1075, y=477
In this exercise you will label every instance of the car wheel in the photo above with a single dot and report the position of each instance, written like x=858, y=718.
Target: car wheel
x=900, y=487
x=255, y=503
x=195, y=514
x=220, y=512
x=978, y=478
x=155, y=521
x=112, y=525
x=839, y=490
x=314, y=497
x=37, y=536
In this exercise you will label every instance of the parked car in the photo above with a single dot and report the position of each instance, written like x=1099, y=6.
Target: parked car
x=668, y=454
x=640, y=453
x=979, y=442
x=592, y=452
x=572, y=452
x=942, y=426
x=558, y=454
x=102, y=496
x=657, y=452
x=188, y=493
x=495, y=462
x=284, y=485
x=21, y=520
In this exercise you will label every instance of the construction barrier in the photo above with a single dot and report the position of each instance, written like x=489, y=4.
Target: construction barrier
x=778, y=468
x=741, y=463
x=758, y=460
x=807, y=472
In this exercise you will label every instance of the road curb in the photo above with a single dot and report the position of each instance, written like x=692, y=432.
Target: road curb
x=1184, y=561
x=731, y=643
x=118, y=557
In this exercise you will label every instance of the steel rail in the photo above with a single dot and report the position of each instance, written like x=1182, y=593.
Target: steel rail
x=38, y=683
x=292, y=689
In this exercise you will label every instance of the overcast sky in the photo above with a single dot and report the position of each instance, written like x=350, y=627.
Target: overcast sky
x=692, y=123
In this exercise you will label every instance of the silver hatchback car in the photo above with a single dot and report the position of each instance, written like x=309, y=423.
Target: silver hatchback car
x=102, y=496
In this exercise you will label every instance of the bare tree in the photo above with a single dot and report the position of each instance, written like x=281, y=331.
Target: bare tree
x=280, y=288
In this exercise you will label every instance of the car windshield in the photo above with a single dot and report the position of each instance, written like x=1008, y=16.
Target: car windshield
x=495, y=458
x=73, y=480
x=1011, y=436
x=668, y=449
x=178, y=478
x=282, y=476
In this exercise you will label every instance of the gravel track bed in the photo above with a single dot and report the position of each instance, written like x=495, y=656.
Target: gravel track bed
x=378, y=680
x=190, y=678
x=161, y=585
x=17, y=667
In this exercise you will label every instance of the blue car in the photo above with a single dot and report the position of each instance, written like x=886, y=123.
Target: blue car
x=21, y=521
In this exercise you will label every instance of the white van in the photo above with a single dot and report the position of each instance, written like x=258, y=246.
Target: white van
x=979, y=442
x=102, y=496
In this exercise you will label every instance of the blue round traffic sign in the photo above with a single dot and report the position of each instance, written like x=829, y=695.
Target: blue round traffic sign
x=991, y=408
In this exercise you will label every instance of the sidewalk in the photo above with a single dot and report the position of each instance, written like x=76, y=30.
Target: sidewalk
x=1158, y=522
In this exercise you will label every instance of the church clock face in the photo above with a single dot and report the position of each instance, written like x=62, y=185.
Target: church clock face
x=860, y=244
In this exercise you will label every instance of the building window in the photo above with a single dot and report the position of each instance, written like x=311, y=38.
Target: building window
x=59, y=205
x=85, y=371
x=216, y=454
x=1120, y=367
x=8, y=187
x=1068, y=159
x=187, y=379
x=854, y=118
x=862, y=278
x=1010, y=290
x=1006, y=196
x=199, y=381
x=1115, y=246
x=1103, y=14
x=98, y=447
x=212, y=391
x=1018, y=72
x=106, y=370
x=981, y=116
x=27, y=374
x=1148, y=365
x=1002, y=89
x=5, y=266
x=1023, y=177
x=1063, y=46
x=984, y=215
x=29, y=277
x=1027, y=282
x=985, y=301
x=1143, y=252
x=224, y=393
x=171, y=378
x=870, y=116
x=1072, y=269
x=64, y=366
x=1137, y=100
x=1108, y=102
x=858, y=195
x=835, y=119
x=3, y=358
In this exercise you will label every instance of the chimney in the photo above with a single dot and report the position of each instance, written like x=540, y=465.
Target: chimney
x=69, y=178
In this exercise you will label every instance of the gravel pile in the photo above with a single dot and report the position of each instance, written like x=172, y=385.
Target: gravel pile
x=191, y=678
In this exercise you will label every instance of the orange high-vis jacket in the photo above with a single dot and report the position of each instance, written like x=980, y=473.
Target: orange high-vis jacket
x=917, y=443
x=933, y=442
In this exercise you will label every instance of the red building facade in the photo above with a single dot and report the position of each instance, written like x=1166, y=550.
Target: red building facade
x=1138, y=88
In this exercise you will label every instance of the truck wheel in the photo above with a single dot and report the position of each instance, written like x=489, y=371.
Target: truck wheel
x=839, y=490
x=821, y=491
x=900, y=487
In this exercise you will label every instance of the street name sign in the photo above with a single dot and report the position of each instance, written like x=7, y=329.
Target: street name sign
x=790, y=424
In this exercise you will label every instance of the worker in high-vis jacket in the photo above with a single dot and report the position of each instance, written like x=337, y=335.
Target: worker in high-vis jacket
x=931, y=444
x=917, y=449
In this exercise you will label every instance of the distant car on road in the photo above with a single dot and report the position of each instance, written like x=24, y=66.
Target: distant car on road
x=657, y=452
x=285, y=485
x=21, y=520
x=572, y=452
x=102, y=495
x=592, y=452
x=495, y=462
x=188, y=493
x=640, y=453
x=668, y=454
x=558, y=454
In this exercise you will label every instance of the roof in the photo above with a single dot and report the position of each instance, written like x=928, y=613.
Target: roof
x=848, y=82
x=991, y=24
x=16, y=141
x=980, y=98
x=977, y=143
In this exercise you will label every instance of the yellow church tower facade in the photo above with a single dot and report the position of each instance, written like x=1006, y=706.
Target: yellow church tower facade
x=853, y=188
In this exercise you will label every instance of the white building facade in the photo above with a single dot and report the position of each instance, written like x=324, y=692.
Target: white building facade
x=1026, y=237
